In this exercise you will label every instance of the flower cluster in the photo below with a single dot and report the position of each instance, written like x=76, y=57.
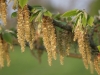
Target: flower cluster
x=83, y=42
x=49, y=38
x=25, y=29
x=4, y=52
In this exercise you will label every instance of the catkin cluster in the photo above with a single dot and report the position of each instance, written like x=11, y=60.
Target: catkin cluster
x=83, y=43
x=25, y=30
x=63, y=44
x=4, y=53
x=3, y=12
x=49, y=38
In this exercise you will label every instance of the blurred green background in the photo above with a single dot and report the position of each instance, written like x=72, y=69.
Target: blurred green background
x=26, y=64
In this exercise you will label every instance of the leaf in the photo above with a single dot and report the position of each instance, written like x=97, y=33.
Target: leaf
x=84, y=19
x=33, y=16
x=56, y=16
x=14, y=14
x=7, y=37
x=69, y=18
x=59, y=29
x=39, y=17
x=70, y=13
x=98, y=48
x=22, y=3
x=48, y=13
x=37, y=7
x=90, y=20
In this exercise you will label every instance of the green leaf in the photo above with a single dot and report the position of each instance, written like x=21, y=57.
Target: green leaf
x=59, y=29
x=69, y=18
x=14, y=14
x=98, y=47
x=22, y=3
x=70, y=13
x=39, y=17
x=61, y=22
x=84, y=19
x=90, y=20
x=33, y=16
x=7, y=37
x=56, y=16
x=37, y=7
x=48, y=13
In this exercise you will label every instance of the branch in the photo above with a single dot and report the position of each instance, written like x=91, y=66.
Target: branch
x=69, y=28
x=75, y=55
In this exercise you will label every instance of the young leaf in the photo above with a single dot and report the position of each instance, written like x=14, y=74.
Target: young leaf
x=90, y=20
x=14, y=14
x=37, y=7
x=84, y=19
x=39, y=17
x=56, y=16
x=22, y=3
x=70, y=13
x=98, y=47
x=32, y=17
x=7, y=37
x=48, y=13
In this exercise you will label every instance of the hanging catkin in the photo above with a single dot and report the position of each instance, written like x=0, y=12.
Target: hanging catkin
x=3, y=11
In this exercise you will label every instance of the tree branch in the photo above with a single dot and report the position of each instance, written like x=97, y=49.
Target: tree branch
x=69, y=28
x=75, y=55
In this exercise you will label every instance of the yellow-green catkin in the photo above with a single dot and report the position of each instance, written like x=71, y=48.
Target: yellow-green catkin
x=26, y=23
x=52, y=36
x=46, y=40
x=49, y=38
x=1, y=53
x=20, y=29
x=91, y=67
x=3, y=11
x=60, y=46
x=96, y=65
x=6, y=52
x=83, y=41
x=32, y=36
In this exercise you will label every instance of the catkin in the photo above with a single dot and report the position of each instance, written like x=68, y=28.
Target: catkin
x=4, y=53
x=1, y=53
x=32, y=36
x=83, y=42
x=20, y=29
x=3, y=11
x=49, y=38
x=60, y=45
x=96, y=65
x=26, y=23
